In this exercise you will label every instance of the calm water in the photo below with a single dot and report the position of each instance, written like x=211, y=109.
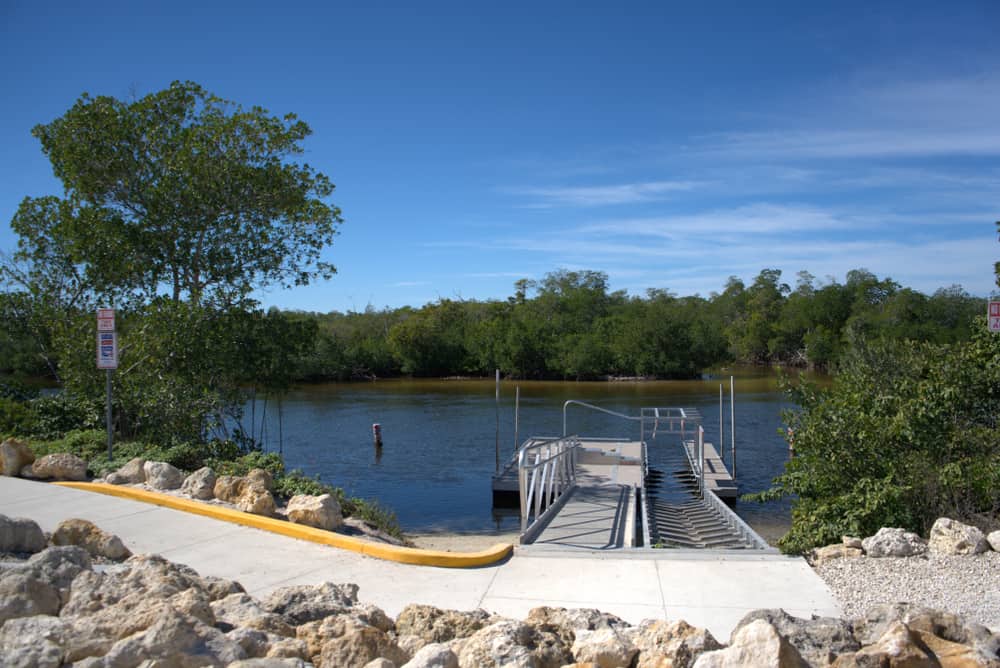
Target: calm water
x=440, y=438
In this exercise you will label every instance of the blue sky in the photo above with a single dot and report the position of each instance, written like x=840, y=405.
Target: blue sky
x=670, y=146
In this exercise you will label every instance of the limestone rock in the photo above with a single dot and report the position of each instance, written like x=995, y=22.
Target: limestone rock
x=176, y=640
x=898, y=646
x=59, y=566
x=606, y=648
x=756, y=644
x=24, y=594
x=269, y=662
x=435, y=655
x=322, y=512
x=240, y=610
x=218, y=588
x=435, y=625
x=288, y=648
x=229, y=488
x=161, y=475
x=503, y=643
x=94, y=540
x=993, y=538
x=255, y=643
x=852, y=541
x=20, y=535
x=132, y=473
x=61, y=466
x=952, y=537
x=821, y=555
x=380, y=663
x=200, y=484
x=819, y=640
x=34, y=642
x=342, y=640
x=261, y=478
x=299, y=604
x=28, y=472
x=893, y=542
x=948, y=626
x=257, y=500
x=675, y=644
x=573, y=619
x=956, y=655
x=14, y=456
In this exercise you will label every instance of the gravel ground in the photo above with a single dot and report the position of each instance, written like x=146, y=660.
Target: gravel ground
x=967, y=585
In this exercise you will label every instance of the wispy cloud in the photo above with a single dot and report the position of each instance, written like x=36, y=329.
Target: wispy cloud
x=604, y=195
x=409, y=284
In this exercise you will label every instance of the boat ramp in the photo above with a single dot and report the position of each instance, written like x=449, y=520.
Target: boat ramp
x=583, y=493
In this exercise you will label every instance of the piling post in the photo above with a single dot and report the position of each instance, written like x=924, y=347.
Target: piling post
x=498, y=421
x=732, y=423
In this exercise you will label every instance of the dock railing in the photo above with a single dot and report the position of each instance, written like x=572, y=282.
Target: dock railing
x=663, y=420
x=546, y=472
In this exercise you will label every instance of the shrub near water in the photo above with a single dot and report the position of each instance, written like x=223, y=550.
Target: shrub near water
x=907, y=433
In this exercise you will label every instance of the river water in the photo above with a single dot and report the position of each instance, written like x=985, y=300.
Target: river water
x=440, y=438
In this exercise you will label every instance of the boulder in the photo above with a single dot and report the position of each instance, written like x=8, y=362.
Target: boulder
x=898, y=646
x=270, y=662
x=240, y=610
x=573, y=619
x=19, y=534
x=200, y=484
x=25, y=594
x=605, y=648
x=34, y=642
x=132, y=473
x=852, y=541
x=59, y=566
x=257, y=644
x=821, y=555
x=161, y=475
x=94, y=540
x=229, y=488
x=819, y=639
x=380, y=663
x=257, y=500
x=219, y=588
x=14, y=456
x=342, y=640
x=948, y=626
x=175, y=639
x=435, y=655
x=952, y=537
x=261, y=478
x=504, y=643
x=993, y=538
x=675, y=644
x=322, y=512
x=756, y=644
x=894, y=542
x=299, y=604
x=434, y=625
x=61, y=466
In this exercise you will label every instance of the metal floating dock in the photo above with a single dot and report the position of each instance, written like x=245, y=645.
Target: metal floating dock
x=579, y=493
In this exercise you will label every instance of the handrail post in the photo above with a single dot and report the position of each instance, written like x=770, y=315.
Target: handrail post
x=701, y=460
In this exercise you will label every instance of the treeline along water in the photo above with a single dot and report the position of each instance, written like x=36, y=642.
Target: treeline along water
x=439, y=436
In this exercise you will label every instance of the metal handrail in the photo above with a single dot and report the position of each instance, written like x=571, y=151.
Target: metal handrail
x=672, y=414
x=546, y=471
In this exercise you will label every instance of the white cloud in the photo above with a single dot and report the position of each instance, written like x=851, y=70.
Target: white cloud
x=626, y=193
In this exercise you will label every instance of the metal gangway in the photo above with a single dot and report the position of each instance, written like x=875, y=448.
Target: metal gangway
x=578, y=492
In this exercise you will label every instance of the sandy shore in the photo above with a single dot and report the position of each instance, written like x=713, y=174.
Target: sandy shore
x=461, y=542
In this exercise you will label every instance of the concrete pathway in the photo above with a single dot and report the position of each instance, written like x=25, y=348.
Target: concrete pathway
x=709, y=589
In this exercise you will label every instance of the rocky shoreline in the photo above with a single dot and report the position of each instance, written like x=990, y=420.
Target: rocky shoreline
x=57, y=608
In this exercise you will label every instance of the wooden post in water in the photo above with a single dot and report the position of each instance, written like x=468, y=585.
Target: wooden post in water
x=732, y=424
x=498, y=422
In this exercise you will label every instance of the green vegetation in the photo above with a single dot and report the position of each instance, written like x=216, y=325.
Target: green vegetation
x=569, y=326
x=908, y=433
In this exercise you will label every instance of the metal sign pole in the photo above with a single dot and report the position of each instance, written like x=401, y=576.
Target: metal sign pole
x=107, y=415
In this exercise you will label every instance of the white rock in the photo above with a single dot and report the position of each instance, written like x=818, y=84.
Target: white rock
x=200, y=484
x=14, y=456
x=161, y=475
x=61, y=466
x=322, y=512
x=20, y=535
x=894, y=542
x=952, y=537
x=993, y=538
x=756, y=644
x=435, y=655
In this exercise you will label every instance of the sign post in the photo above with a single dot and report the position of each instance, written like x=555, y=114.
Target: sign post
x=107, y=359
x=994, y=316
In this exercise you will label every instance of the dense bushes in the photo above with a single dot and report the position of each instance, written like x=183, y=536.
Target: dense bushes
x=908, y=433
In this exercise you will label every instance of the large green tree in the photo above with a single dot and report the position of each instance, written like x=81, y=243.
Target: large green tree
x=180, y=192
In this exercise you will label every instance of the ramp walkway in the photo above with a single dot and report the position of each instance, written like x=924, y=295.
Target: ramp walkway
x=580, y=493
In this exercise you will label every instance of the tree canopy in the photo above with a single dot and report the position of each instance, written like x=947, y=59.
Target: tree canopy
x=180, y=192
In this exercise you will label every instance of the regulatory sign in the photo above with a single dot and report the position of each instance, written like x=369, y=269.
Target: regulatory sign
x=105, y=320
x=107, y=350
x=994, y=316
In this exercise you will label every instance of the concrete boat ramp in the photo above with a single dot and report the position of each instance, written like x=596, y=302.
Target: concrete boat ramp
x=713, y=589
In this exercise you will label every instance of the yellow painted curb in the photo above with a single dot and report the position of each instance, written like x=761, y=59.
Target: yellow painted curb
x=406, y=555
